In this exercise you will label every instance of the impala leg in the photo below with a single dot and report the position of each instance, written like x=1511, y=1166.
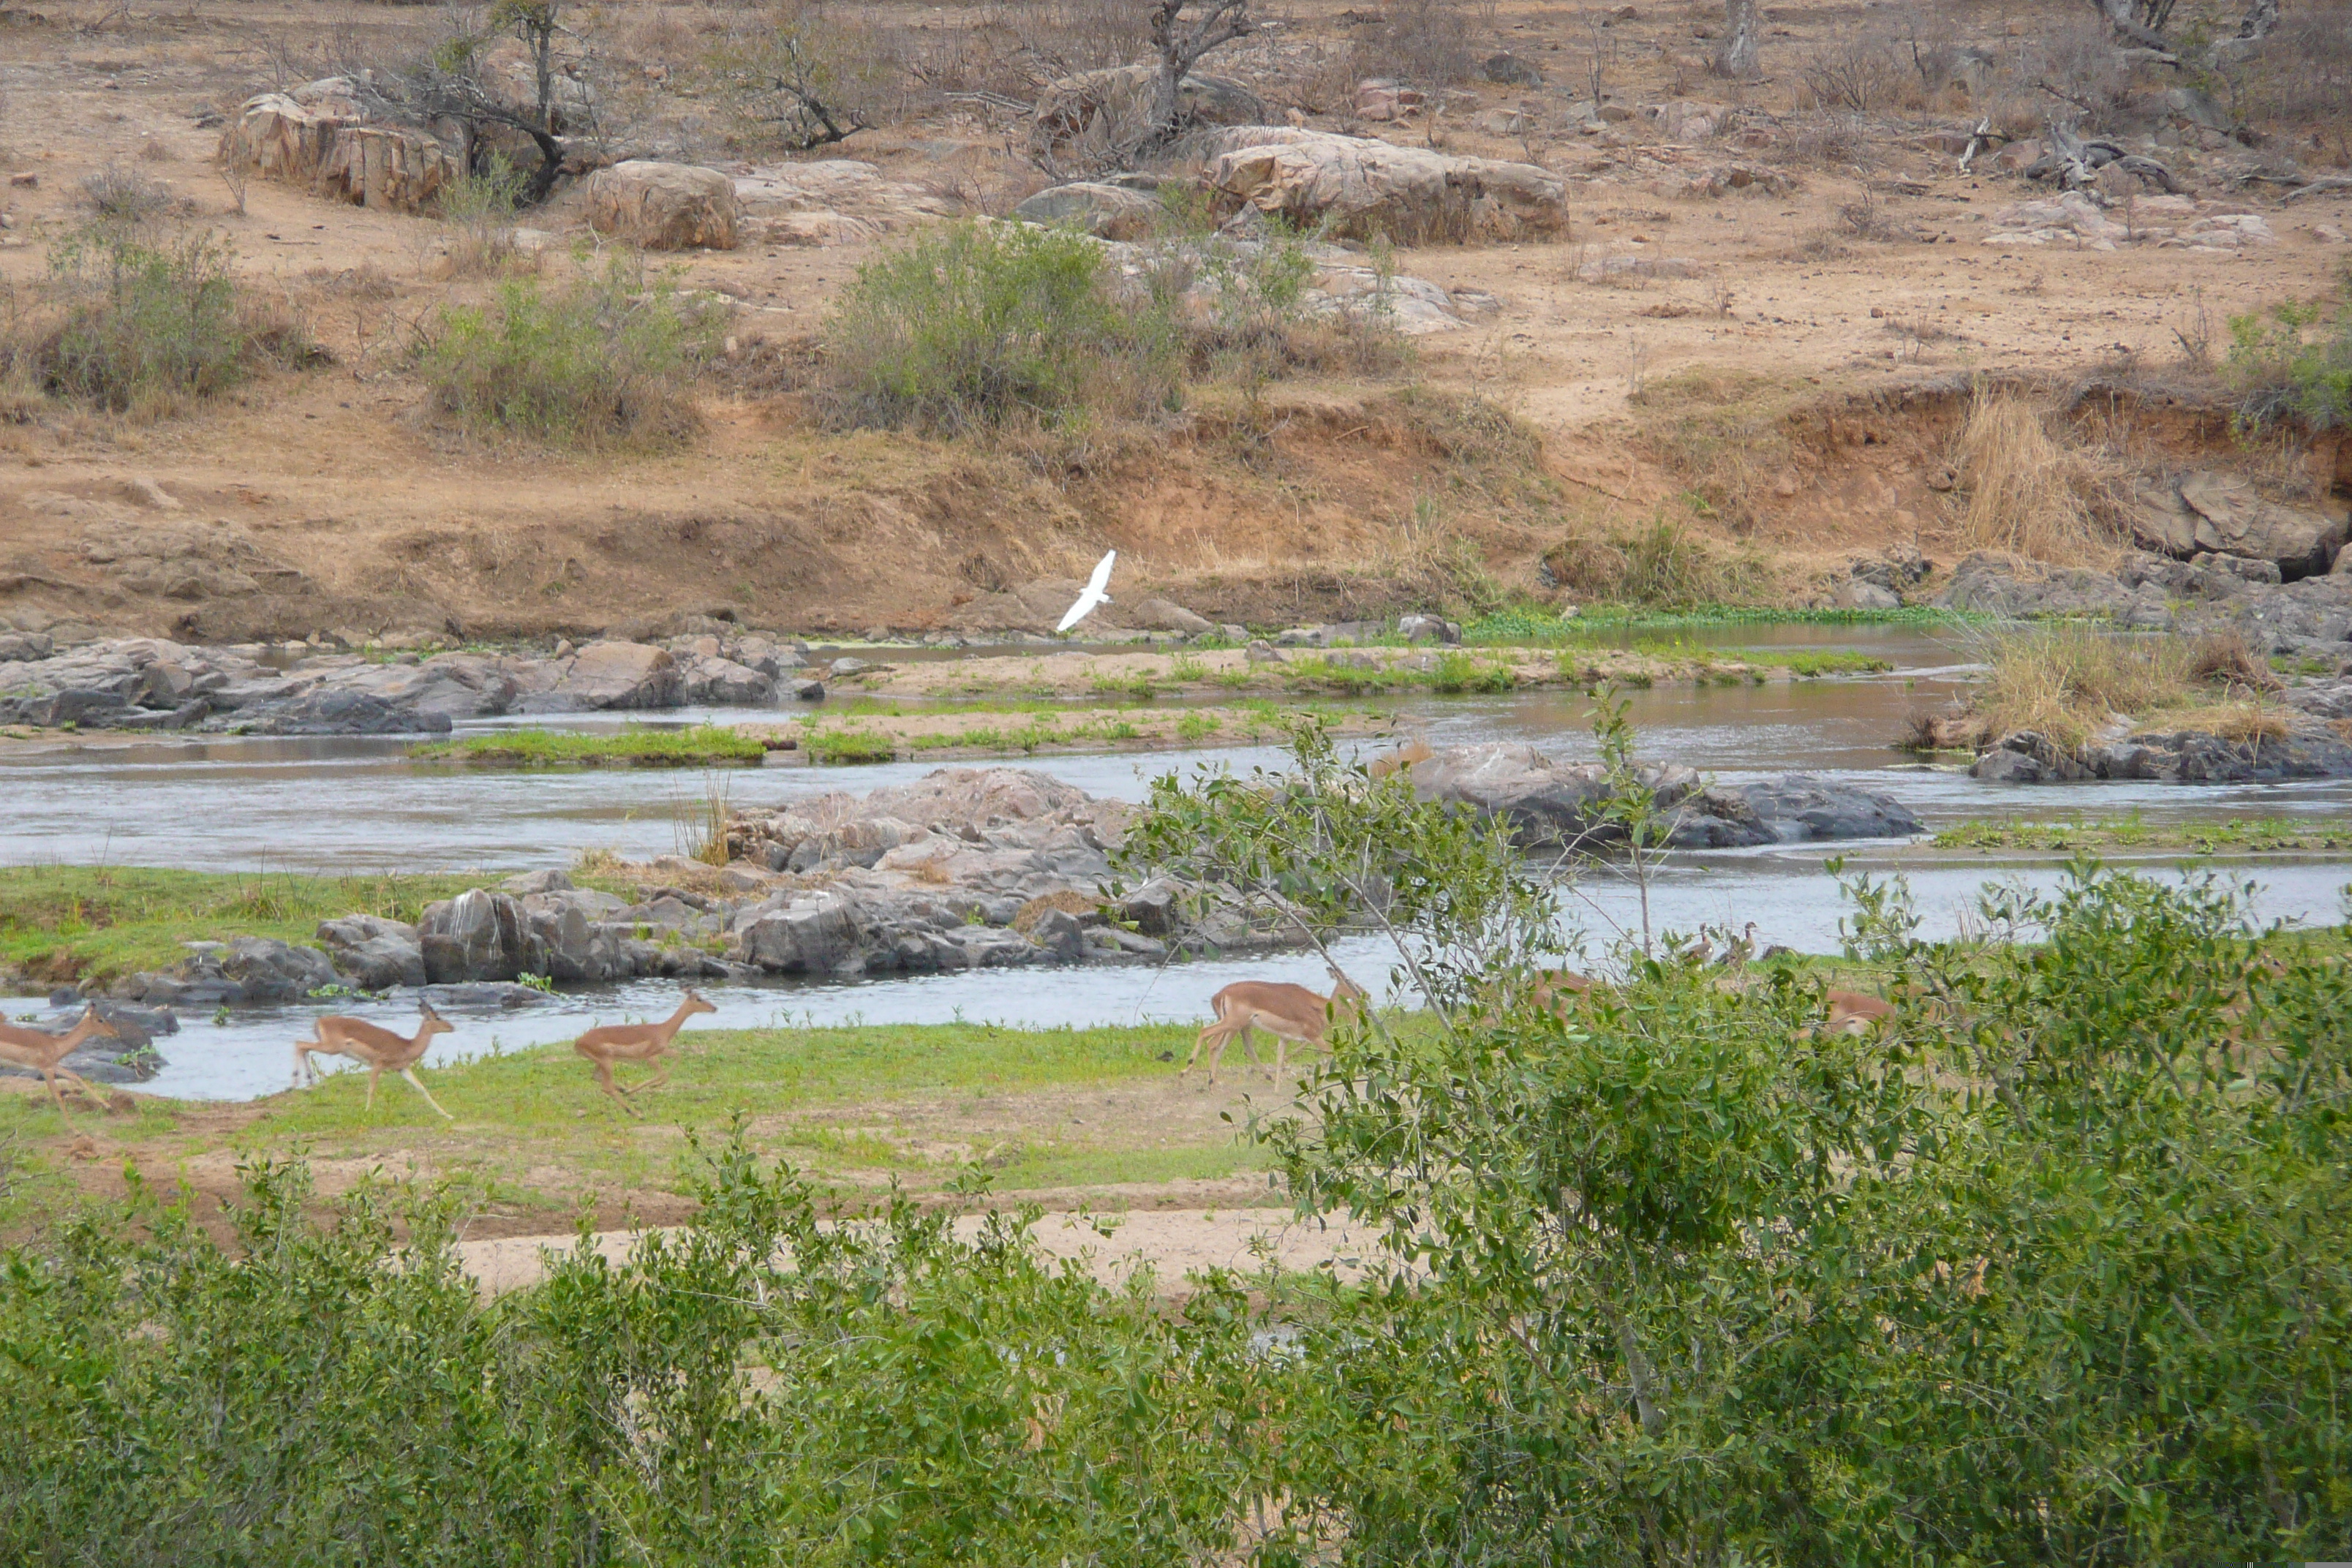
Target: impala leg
x=418, y=1084
x=604, y=1078
x=50, y=1077
x=373, y=1073
x=81, y=1087
x=661, y=1076
x=1198, y=1041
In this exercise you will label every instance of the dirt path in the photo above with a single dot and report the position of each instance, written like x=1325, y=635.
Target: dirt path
x=1174, y=1242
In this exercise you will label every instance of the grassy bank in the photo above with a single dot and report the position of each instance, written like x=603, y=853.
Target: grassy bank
x=1036, y=1108
x=65, y=924
x=1536, y=627
x=2068, y=681
x=700, y=745
x=2249, y=836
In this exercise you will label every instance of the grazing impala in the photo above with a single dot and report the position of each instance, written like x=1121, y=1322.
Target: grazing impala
x=41, y=1051
x=610, y=1043
x=382, y=1050
x=1286, y=1012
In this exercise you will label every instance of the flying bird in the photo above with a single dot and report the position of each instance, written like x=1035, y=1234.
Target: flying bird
x=1093, y=595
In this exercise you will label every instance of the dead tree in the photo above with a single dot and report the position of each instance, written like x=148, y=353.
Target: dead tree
x=449, y=85
x=809, y=122
x=2073, y=160
x=1220, y=22
x=1738, y=56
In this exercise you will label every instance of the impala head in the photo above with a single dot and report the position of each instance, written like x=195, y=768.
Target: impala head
x=1344, y=989
x=94, y=1020
x=434, y=1024
x=695, y=1003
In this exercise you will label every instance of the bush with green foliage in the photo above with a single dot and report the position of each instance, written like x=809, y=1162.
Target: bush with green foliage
x=603, y=358
x=975, y=326
x=761, y=1388
x=2059, y=1269
x=142, y=325
x=2296, y=361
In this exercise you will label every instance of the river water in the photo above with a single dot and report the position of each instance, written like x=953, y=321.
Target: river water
x=344, y=806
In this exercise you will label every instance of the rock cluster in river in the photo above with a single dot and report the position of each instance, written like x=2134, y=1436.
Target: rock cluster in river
x=2310, y=616
x=2313, y=748
x=151, y=683
x=963, y=869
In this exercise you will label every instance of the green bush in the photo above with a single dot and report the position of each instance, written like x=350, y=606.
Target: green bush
x=976, y=326
x=2296, y=361
x=604, y=358
x=142, y=326
x=762, y=1388
x=2057, y=1269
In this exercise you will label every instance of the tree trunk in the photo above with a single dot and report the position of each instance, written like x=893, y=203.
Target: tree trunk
x=1738, y=56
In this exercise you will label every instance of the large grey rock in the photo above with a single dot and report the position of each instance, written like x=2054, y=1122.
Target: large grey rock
x=1105, y=211
x=2224, y=514
x=1354, y=187
x=373, y=953
x=1548, y=803
x=2027, y=756
x=1166, y=615
x=816, y=937
x=662, y=207
x=477, y=935
x=2193, y=758
x=273, y=971
x=613, y=675
x=337, y=710
x=721, y=682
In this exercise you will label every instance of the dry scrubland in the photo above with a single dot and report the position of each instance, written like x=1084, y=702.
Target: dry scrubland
x=1688, y=397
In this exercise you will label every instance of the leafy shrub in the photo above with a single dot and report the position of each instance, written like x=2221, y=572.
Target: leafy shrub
x=121, y=194
x=978, y=326
x=2296, y=361
x=603, y=358
x=479, y=209
x=2057, y=1268
x=141, y=327
x=1662, y=565
x=764, y=1387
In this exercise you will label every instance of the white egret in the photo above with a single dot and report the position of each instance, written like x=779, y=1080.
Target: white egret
x=1093, y=595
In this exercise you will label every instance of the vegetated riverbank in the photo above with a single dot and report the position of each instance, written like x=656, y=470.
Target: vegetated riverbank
x=2240, y=835
x=2071, y=702
x=1093, y=1113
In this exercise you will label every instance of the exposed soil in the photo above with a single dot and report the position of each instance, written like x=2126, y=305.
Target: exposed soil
x=329, y=500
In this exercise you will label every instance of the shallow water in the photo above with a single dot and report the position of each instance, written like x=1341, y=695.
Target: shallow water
x=346, y=804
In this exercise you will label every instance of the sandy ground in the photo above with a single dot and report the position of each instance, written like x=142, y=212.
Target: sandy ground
x=1172, y=1243
x=368, y=516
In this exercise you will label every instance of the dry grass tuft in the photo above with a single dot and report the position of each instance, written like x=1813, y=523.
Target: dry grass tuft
x=2069, y=680
x=2028, y=493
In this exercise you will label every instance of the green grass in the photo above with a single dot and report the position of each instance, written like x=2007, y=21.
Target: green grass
x=843, y=1101
x=848, y=746
x=2249, y=835
x=60, y=923
x=703, y=745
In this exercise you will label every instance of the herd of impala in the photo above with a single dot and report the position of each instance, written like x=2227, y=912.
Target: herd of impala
x=1289, y=1013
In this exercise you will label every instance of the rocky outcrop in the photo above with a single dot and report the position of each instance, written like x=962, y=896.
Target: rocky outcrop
x=336, y=138
x=1353, y=188
x=831, y=201
x=2311, y=618
x=2166, y=757
x=151, y=683
x=662, y=207
x=1105, y=211
x=2223, y=514
x=1550, y=804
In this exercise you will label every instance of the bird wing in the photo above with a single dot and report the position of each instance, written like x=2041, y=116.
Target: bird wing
x=1078, y=612
x=1101, y=579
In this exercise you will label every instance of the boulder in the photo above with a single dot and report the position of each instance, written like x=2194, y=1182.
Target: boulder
x=268, y=969
x=1352, y=187
x=477, y=935
x=1383, y=99
x=336, y=710
x=373, y=952
x=662, y=207
x=1511, y=71
x=1105, y=211
x=2223, y=514
x=2189, y=757
x=1428, y=628
x=523, y=884
x=831, y=201
x=1550, y=804
x=721, y=682
x=1167, y=615
x=2027, y=756
x=612, y=674
x=326, y=137
x=813, y=937
x=1860, y=594
x=16, y=647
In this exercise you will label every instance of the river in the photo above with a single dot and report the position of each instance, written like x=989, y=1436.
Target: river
x=342, y=806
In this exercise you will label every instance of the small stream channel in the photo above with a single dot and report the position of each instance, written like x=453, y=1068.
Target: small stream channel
x=344, y=805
